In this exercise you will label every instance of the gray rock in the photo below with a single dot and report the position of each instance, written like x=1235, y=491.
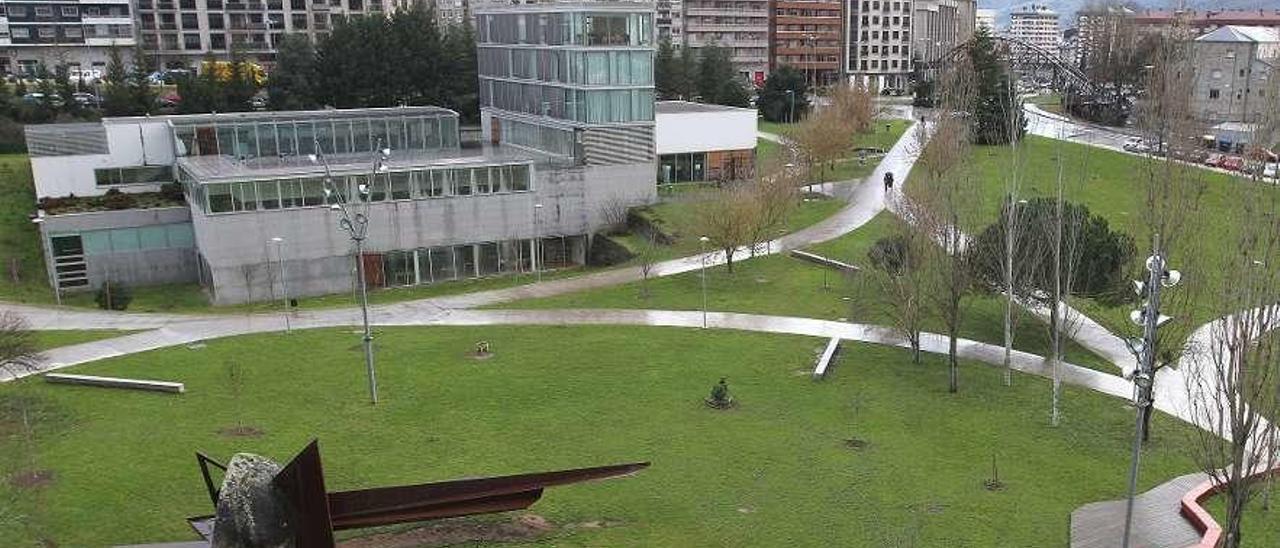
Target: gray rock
x=251, y=513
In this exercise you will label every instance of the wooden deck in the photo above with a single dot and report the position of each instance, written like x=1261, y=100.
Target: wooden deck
x=1157, y=519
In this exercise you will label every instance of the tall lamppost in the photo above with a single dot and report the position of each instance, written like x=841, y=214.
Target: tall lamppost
x=1144, y=349
x=355, y=221
x=791, y=96
x=284, y=283
x=537, y=241
x=702, y=244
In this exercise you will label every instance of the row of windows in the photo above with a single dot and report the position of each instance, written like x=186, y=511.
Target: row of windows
x=538, y=137
x=66, y=11
x=575, y=28
x=454, y=262
x=133, y=175
x=398, y=185
x=92, y=31
x=118, y=240
x=592, y=106
x=904, y=50
x=877, y=35
x=876, y=64
x=876, y=20
x=868, y=5
x=570, y=67
x=277, y=5
x=267, y=139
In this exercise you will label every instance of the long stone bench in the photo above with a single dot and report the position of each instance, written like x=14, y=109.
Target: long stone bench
x=116, y=382
x=824, y=362
x=824, y=261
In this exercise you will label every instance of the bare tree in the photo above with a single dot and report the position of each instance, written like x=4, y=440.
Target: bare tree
x=822, y=139
x=899, y=279
x=18, y=353
x=647, y=256
x=20, y=357
x=613, y=213
x=728, y=219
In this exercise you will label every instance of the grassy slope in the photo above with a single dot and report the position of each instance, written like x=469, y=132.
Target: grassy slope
x=1112, y=185
x=790, y=287
x=772, y=472
x=19, y=239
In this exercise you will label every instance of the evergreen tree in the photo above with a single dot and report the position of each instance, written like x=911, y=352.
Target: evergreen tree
x=241, y=82
x=143, y=97
x=117, y=98
x=667, y=72
x=997, y=112
x=733, y=92
x=66, y=91
x=686, y=68
x=291, y=84
x=776, y=103
x=715, y=67
x=460, y=92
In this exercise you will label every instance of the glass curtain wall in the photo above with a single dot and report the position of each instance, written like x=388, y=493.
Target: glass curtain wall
x=297, y=138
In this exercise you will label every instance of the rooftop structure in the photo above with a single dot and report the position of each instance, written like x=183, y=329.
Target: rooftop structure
x=701, y=142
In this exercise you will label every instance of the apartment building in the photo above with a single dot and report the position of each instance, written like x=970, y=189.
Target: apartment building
x=451, y=11
x=986, y=19
x=1036, y=25
x=886, y=38
x=740, y=25
x=72, y=33
x=184, y=32
x=1194, y=23
x=1233, y=68
x=670, y=21
x=807, y=35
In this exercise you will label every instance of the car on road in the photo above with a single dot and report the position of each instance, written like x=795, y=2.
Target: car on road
x=1213, y=159
x=1233, y=163
x=1269, y=171
x=1134, y=144
x=85, y=99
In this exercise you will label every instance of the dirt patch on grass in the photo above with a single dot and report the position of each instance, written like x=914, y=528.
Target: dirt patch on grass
x=31, y=479
x=856, y=444
x=241, y=432
x=525, y=527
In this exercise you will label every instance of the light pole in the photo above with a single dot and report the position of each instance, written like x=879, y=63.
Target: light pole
x=791, y=96
x=355, y=221
x=284, y=284
x=537, y=241
x=702, y=244
x=1144, y=349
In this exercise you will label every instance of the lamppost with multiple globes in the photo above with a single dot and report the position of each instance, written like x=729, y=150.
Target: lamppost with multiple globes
x=355, y=222
x=702, y=244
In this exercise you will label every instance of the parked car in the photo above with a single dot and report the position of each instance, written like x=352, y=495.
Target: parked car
x=85, y=99
x=1213, y=159
x=1233, y=163
x=1269, y=170
x=1133, y=144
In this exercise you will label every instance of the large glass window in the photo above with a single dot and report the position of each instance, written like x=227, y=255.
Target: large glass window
x=480, y=176
x=133, y=175
x=219, y=197
x=442, y=267
x=312, y=191
x=267, y=140
x=306, y=138
x=290, y=193
x=461, y=182
x=243, y=197
x=400, y=185
x=246, y=141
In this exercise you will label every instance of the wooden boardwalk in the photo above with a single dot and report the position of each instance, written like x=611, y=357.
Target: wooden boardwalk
x=1157, y=519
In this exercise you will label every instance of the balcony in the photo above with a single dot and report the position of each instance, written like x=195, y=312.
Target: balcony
x=725, y=12
x=762, y=26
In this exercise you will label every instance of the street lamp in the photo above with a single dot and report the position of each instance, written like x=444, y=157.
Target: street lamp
x=537, y=240
x=702, y=244
x=284, y=283
x=791, y=96
x=1144, y=349
x=355, y=221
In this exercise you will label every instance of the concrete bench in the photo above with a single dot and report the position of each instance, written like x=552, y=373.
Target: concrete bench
x=116, y=382
x=824, y=362
x=824, y=261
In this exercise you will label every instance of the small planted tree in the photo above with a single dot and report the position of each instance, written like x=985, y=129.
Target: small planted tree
x=720, y=397
x=113, y=296
x=897, y=259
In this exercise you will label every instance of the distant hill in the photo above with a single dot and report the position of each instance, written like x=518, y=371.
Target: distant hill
x=1067, y=8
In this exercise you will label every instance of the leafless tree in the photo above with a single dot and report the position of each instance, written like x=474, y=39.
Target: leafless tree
x=899, y=281
x=613, y=213
x=20, y=357
x=647, y=257
x=18, y=353
x=746, y=213
x=822, y=139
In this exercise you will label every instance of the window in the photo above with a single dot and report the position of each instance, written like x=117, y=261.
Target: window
x=215, y=21
x=218, y=41
x=70, y=11
x=190, y=21
x=1213, y=93
x=73, y=32
x=44, y=11
x=133, y=175
x=17, y=11
x=92, y=11
x=400, y=186
x=47, y=32
x=190, y=41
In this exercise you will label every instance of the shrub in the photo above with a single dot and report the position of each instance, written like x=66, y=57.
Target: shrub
x=114, y=199
x=172, y=192
x=113, y=296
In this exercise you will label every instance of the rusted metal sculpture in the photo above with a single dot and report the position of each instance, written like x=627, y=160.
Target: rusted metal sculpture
x=297, y=508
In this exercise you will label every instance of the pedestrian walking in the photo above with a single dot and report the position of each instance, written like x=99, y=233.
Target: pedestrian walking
x=888, y=181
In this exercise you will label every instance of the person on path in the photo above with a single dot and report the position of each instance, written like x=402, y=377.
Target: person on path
x=888, y=181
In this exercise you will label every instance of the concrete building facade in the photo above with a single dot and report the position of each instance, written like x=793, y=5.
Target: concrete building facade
x=184, y=32
x=986, y=19
x=702, y=142
x=1233, y=74
x=76, y=34
x=1036, y=25
x=567, y=106
x=740, y=25
x=885, y=39
x=669, y=21
x=808, y=35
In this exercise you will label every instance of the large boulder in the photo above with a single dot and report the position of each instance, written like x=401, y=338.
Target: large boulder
x=251, y=513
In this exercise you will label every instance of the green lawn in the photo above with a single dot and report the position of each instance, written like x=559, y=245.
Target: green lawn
x=883, y=135
x=1051, y=102
x=19, y=238
x=791, y=287
x=1113, y=185
x=1261, y=527
x=55, y=338
x=774, y=471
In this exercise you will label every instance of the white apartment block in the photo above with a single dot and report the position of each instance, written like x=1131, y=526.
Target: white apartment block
x=1036, y=25
x=986, y=19
x=740, y=25
x=885, y=38
x=77, y=34
x=670, y=21
x=184, y=32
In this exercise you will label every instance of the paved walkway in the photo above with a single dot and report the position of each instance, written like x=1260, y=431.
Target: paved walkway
x=1157, y=519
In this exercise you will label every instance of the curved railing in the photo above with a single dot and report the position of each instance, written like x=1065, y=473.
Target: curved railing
x=1199, y=517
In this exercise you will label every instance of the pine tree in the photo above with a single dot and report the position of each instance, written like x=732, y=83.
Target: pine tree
x=775, y=101
x=715, y=67
x=666, y=72
x=993, y=94
x=143, y=98
x=291, y=84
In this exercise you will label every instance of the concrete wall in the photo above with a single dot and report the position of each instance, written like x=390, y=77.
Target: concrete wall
x=238, y=246
x=141, y=267
x=703, y=131
x=132, y=142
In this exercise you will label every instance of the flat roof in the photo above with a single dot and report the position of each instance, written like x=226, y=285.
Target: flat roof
x=277, y=115
x=680, y=107
x=220, y=168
